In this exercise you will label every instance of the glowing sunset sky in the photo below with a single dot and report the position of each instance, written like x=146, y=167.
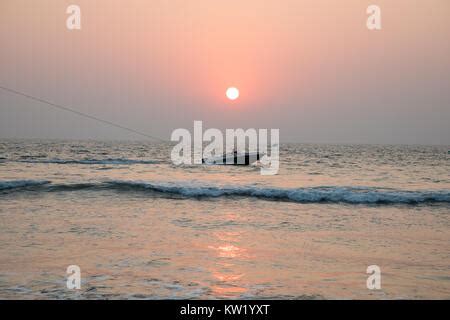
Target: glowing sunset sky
x=310, y=68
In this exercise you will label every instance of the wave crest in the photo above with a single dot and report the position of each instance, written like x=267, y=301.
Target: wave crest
x=20, y=184
x=326, y=194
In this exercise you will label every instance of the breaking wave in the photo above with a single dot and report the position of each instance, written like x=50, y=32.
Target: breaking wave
x=21, y=184
x=328, y=194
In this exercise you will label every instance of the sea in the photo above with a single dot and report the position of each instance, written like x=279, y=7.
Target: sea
x=140, y=227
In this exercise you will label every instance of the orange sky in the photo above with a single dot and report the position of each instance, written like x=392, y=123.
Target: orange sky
x=310, y=68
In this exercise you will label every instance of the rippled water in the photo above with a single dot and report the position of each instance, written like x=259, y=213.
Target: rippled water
x=140, y=227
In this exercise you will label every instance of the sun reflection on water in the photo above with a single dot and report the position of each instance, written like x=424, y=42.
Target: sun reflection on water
x=230, y=255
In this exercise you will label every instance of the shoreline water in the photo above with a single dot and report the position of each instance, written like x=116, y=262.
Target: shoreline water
x=142, y=228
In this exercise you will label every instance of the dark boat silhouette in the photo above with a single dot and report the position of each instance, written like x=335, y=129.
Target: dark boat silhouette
x=234, y=158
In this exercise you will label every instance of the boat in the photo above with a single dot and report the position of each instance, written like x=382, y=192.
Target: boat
x=234, y=158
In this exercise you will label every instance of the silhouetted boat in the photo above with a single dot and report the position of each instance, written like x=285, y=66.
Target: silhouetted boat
x=235, y=158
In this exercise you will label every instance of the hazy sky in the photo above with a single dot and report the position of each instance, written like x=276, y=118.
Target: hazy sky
x=310, y=68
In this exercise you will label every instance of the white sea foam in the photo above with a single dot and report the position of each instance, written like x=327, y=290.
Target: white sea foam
x=325, y=194
x=330, y=194
x=19, y=184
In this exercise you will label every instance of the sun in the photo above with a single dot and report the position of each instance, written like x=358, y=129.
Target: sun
x=232, y=93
